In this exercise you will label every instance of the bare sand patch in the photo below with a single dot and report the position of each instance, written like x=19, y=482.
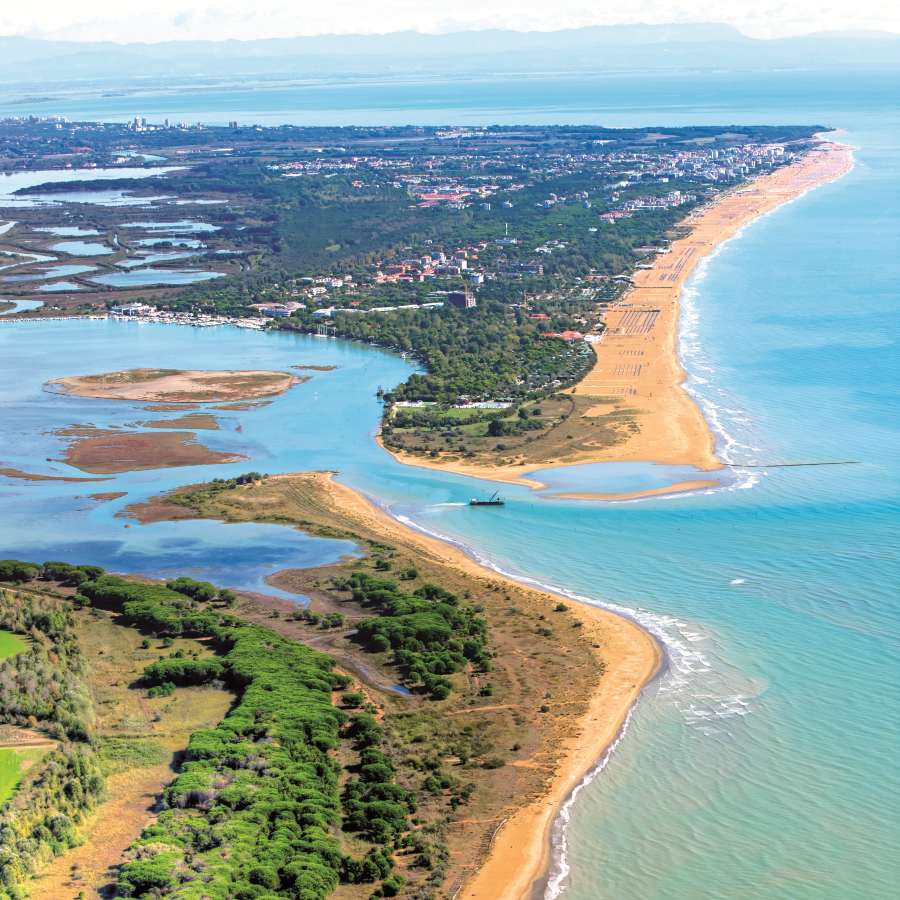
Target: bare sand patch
x=680, y=487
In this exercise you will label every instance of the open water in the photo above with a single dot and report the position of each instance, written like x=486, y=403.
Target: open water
x=762, y=762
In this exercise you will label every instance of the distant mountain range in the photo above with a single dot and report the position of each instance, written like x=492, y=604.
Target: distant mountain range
x=652, y=48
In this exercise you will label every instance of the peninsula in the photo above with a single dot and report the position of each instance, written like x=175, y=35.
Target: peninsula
x=554, y=751
x=635, y=386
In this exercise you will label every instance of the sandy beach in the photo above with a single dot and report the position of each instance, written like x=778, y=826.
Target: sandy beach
x=637, y=371
x=638, y=365
x=625, y=657
x=680, y=487
x=521, y=851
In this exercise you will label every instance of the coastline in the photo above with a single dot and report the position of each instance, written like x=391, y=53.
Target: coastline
x=637, y=366
x=521, y=852
x=625, y=658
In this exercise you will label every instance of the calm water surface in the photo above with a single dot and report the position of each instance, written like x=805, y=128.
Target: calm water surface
x=761, y=764
x=145, y=277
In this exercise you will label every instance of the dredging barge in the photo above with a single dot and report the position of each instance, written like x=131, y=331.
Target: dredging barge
x=494, y=500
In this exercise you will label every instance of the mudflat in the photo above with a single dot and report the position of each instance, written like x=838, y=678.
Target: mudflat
x=106, y=452
x=178, y=385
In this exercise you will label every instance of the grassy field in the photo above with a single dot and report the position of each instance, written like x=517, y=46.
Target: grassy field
x=13, y=766
x=11, y=773
x=562, y=427
x=10, y=645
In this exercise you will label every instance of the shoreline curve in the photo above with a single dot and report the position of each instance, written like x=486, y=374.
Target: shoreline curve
x=644, y=325
x=520, y=857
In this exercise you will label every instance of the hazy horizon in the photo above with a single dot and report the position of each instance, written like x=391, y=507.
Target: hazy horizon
x=188, y=20
x=462, y=30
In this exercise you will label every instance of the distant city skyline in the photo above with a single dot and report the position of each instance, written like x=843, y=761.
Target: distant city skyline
x=93, y=20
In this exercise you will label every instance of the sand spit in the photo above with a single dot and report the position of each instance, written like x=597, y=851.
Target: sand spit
x=521, y=850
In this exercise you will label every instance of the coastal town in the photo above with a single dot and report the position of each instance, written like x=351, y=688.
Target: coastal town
x=491, y=256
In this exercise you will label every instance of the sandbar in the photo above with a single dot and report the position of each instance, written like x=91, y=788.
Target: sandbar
x=194, y=421
x=178, y=385
x=105, y=496
x=680, y=487
x=34, y=476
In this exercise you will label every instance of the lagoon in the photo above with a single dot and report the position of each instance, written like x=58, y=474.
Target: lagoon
x=183, y=226
x=169, y=241
x=150, y=258
x=69, y=231
x=52, y=272
x=58, y=287
x=81, y=248
x=145, y=277
x=10, y=183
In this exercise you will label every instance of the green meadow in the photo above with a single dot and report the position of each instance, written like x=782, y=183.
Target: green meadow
x=10, y=645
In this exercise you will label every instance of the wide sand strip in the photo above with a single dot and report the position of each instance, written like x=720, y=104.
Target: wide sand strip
x=637, y=363
x=637, y=369
x=520, y=854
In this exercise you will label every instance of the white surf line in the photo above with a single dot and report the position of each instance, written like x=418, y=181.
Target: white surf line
x=680, y=660
x=689, y=348
x=560, y=869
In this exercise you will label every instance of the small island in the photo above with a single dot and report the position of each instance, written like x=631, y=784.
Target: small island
x=178, y=385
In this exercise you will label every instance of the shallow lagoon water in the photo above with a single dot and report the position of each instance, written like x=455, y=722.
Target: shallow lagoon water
x=21, y=306
x=761, y=763
x=69, y=231
x=81, y=248
x=51, y=272
x=149, y=258
x=10, y=183
x=170, y=241
x=145, y=277
x=183, y=226
x=58, y=287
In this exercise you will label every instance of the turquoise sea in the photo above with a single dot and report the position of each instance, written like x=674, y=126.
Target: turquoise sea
x=762, y=761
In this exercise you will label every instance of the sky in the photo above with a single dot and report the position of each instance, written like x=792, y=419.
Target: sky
x=159, y=20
